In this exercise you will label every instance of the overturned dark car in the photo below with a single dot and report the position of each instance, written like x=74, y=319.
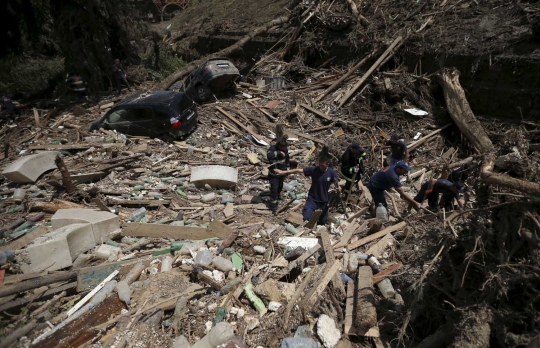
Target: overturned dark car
x=160, y=114
x=214, y=76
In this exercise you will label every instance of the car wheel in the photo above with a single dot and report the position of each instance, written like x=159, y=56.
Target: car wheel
x=203, y=93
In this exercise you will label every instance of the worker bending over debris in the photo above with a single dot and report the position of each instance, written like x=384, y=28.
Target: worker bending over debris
x=322, y=176
x=459, y=174
x=278, y=155
x=351, y=165
x=388, y=178
x=399, y=150
x=432, y=188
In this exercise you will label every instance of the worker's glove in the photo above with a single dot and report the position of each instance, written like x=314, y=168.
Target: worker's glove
x=356, y=169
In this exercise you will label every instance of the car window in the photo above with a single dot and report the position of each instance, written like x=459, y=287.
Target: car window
x=116, y=116
x=134, y=115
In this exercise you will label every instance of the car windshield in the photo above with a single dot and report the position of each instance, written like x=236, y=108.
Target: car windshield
x=116, y=116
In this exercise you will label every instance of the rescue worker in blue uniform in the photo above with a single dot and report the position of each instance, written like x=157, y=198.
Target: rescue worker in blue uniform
x=322, y=176
x=7, y=103
x=351, y=165
x=278, y=155
x=398, y=149
x=77, y=85
x=120, y=76
x=388, y=178
x=433, y=188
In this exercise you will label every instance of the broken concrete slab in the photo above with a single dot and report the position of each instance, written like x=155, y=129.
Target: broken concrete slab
x=58, y=249
x=103, y=223
x=215, y=176
x=29, y=168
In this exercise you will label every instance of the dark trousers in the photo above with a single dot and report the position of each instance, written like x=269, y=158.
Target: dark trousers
x=276, y=185
x=349, y=184
x=432, y=197
x=7, y=118
x=119, y=81
x=378, y=196
x=81, y=95
x=310, y=208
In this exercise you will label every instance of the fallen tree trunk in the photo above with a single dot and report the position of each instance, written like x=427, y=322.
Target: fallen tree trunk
x=36, y=283
x=171, y=79
x=461, y=113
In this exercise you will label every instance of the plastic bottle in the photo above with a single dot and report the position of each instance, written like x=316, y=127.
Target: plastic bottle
x=204, y=258
x=18, y=195
x=218, y=335
x=294, y=254
x=166, y=264
x=227, y=198
x=221, y=312
x=386, y=288
x=375, y=264
x=299, y=342
x=353, y=263
x=134, y=273
x=288, y=187
x=208, y=197
x=222, y=264
x=124, y=292
x=102, y=294
x=381, y=212
x=291, y=229
x=137, y=214
x=181, y=305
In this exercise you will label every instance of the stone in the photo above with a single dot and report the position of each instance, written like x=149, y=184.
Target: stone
x=251, y=322
x=299, y=342
x=79, y=111
x=59, y=248
x=327, y=331
x=272, y=290
x=216, y=176
x=253, y=158
x=274, y=306
x=181, y=342
x=229, y=210
x=105, y=251
x=29, y=168
x=103, y=223
x=259, y=249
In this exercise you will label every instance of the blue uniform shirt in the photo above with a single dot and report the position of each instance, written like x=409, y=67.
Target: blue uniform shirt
x=385, y=179
x=320, y=182
x=398, y=149
x=443, y=186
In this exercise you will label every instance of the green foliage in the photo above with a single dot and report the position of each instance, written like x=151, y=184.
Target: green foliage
x=168, y=63
x=30, y=77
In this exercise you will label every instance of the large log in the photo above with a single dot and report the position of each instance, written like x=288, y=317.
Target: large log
x=460, y=111
x=171, y=79
x=36, y=283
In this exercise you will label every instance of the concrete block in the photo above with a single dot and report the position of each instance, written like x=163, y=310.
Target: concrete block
x=215, y=176
x=103, y=223
x=105, y=251
x=29, y=168
x=58, y=249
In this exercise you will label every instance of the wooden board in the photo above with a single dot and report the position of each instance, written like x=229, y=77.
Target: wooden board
x=327, y=275
x=60, y=147
x=384, y=273
x=314, y=218
x=294, y=218
x=330, y=258
x=349, y=308
x=317, y=112
x=175, y=232
x=25, y=240
x=374, y=236
x=378, y=248
x=22, y=301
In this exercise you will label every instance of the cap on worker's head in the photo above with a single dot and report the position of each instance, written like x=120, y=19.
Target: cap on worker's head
x=356, y=146
x=394, y=137
x=459, y=186
x=403, y=165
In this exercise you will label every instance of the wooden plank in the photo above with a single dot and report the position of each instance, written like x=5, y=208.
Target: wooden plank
x=250, y=102
x=317, y=112
x=309, y=137
x=330, y=258
x=294, y=218
x=378, y=248
x=175, y=232
x=91, y=294
x=17, y=278
x=358, y=214
x=314, y=218
x=349, y=308
x=298, y=293
x=136, y=204
x=377, y=235
x=365, y=192
x=36, y=283
x=317, y=290
x=80, y=330
x=25, y=240
x=365, y=315
x=349, y=232
x=239, y=124
x=384, y=273
x=219, y=229
x=22, y=301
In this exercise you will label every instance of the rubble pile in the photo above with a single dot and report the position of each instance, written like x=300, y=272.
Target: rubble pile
x=116, y=240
